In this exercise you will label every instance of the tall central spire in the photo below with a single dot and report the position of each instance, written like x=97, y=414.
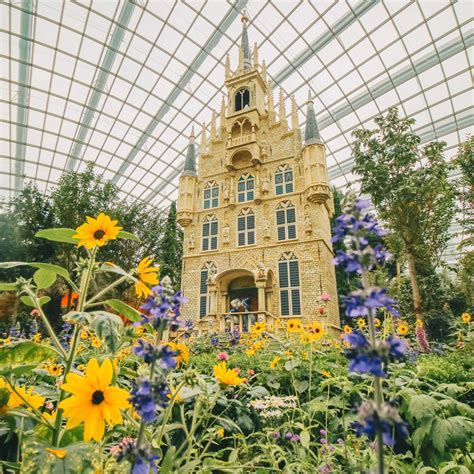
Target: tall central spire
x=245, y=43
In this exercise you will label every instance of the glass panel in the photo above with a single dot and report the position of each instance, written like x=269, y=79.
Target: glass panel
x=250, y=196
x=242, y=238
x=294, y=275
x=215, y=202
x=202, y=306
x=251, y=221
x=214, y=228
x=250, y=184
x=241, y=223
x=213, y=243
x=207, y=193
x=291, y=214
x=279, y=189
x=215, y=192
x=279, y=178
x=203, y=285
x=280, y=216
x=289, y=187
x=205, y=244
x=205, y=229
x=292, y=232
x=241, y=186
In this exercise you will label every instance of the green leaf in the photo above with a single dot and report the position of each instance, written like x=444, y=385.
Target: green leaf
x=27, y=300
x=81, y=458
x=46, y=266
x=4, y=396
x=43, y=300
x=305, y=438
x=168, y=461
x=20, y=370
x=24, y=353
x=63, y=235
x=82, y=318
x=421, y=432
x=440, y=433
x=422, y=406
x=301, y=386
x=106, y=267
x=8, y=286
x=44, y=278
x=292, y=364
x=108, y=327
x=124, y=309
x=127, y=235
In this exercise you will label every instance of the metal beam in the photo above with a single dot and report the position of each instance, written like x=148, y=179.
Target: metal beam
x=342, y=24
x=23, y=94
x=179, y=87
x=423, y=64
x=100, y=83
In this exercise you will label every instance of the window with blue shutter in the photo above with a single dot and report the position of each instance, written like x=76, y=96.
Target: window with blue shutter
x=245, y=227
x=211, y=195
x=203, y=292
x=283, y=180
x=245, y=188
x=210, y=229
x=286, y=221
x=289, y=282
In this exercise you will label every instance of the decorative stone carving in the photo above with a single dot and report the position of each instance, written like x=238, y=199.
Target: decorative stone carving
x=226, y=234
x=226, y=190
x=261, y=271
x=211, y=276
x=308, y=226
x=265, y=184
x=192, y=241
x=266, y=229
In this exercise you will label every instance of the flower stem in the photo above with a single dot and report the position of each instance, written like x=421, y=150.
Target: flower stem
x=105, y=290
x=85, y=281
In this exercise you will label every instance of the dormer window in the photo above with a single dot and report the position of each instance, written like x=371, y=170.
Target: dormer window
x=242, y=99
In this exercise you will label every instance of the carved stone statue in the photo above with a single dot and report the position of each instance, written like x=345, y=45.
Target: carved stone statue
x=211, y=276
x=225, y=234
x=226, y=191
x=192, y=241
x=308, y=226
x=266, y=229
x=261, y=272
x=265, y=184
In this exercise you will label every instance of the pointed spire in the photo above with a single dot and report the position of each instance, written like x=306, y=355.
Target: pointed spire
x=190, y=163
x=247, y=60
x=203, y=140
x=227, y=66
x=213, y=125
x=311, y=133
x=241, y=59
x=223, y=124
x=264, y=71
x=255, y=55
x=294, y=114
x=270, y=103
x=281, y=110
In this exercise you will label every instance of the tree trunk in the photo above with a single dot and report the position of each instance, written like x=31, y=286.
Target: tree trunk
x=414, y=287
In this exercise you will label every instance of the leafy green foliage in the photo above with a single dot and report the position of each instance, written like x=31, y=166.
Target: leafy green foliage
x=24, y=353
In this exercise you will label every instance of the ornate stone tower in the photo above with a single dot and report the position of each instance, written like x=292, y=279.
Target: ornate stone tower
x=256, y=214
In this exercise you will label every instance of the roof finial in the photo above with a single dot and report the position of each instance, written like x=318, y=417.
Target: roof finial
x=223, y=130
x=294, y=114
x=282, y=111
x=270, y=103
x=213, y=125
x=311, y=133
x=190, y=163
x=203, y=140
x=247, y=58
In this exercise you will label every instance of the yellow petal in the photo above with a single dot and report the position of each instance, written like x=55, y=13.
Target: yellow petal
x=106, y=373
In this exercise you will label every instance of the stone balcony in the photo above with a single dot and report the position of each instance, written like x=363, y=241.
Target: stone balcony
x=242, y=140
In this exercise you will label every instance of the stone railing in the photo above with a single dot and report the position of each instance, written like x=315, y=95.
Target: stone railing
x=242, y=140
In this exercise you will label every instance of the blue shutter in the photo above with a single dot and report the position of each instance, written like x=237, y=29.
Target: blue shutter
x=289, y=187
x=281, y=233
x=250, y=196
x=295, y=301
x=280, y=216
x=251, y=221
x=279, y=189
x=283, y=274
x=240, y=223
x=292, y=231
x=214, y=228
x=284, y=303
x=202, y=306
x=251, y=237
x=203, y=284
x=291, y=214
x=294, y=275
x=279, y=178
x=242, y=238
x=213, y=243
x=205, y=244
x=250, y=183
x=205, y=229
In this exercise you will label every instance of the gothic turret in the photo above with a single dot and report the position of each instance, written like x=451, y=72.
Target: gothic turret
x=314, y=159
x=187, y=183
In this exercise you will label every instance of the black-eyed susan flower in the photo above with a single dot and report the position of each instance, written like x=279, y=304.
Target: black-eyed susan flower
x=227, y=376
x=146, y=276
x=294, y=325
x=55, y=370
x=360, y=323
x=315, y=331
x=377, y=322
x=466, y=318
x=37, y=337
x=19, y=397
x=347, y=329
x=94, y=401
x=97, y=232
x=274, y=362
x=402, y=328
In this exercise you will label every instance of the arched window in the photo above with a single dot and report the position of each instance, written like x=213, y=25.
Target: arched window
x=246, y=227
x=289, y=282
x=245, y=188
x=286, y=221
x=211, y=195
x=242, y=99
x=207, y=269
x=283, y=180
x=209, y=233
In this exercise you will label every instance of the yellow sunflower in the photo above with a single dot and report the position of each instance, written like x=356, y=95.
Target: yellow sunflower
x=182, y=352
x=251, y=352
x=94, y=401
x=96, y=342
x=15, y=401
x=402, y=328
x=84, y=335
x=227, y=376
x=258, y=328
x=146, y=276
x=96, y=232
x=54, y=370
x=347, y=329
x=466, y=318
x=315, y=331
x=360, y=323
x=294, y=325
x=274, y=362
x=377, y=322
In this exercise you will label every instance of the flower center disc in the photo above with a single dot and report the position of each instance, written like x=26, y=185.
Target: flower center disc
x=98, y=397
x=98, y=234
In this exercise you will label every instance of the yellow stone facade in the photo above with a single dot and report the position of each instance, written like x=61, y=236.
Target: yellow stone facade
x=251, y=141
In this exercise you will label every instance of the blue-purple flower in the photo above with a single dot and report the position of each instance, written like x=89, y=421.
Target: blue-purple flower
x=140, y=457
x=146, y=397
x=358, y=303
x=149, y=352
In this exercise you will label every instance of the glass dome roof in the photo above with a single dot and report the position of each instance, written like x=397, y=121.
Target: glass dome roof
x=122, y=83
